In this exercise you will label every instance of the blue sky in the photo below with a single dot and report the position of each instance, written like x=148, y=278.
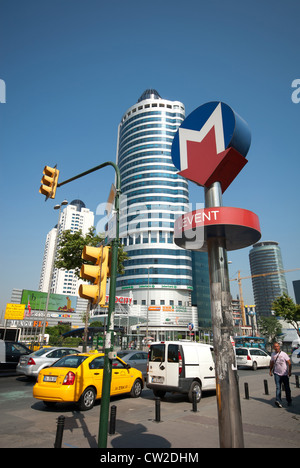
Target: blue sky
x=72, y=68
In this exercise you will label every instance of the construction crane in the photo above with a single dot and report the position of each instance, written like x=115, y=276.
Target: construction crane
x=239, y=280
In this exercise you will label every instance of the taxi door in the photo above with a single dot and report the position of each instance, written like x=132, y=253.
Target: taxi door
x=121, y=381
x=96, y=369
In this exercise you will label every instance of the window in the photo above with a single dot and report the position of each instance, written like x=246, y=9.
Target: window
x=157, y=353
x=97, y=363
x=116, y=364
x=173, y=353
x=70, y=361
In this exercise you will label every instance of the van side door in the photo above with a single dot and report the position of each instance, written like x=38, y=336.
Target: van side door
x=173, y=356
x=210, y=371
x=157, y=365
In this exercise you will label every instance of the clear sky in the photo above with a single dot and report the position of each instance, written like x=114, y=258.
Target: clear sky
x=73, y=67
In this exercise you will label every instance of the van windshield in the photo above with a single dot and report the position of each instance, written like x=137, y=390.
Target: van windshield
x=157, y=353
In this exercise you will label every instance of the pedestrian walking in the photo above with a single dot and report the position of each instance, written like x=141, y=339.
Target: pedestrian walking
x=281, y=367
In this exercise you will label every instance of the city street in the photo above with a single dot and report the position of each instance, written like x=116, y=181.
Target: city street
x=26, y=422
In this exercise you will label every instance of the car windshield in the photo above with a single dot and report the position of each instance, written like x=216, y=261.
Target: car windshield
x=122, y=354
x=241, y=351
x=73, y=361
x=42, y=351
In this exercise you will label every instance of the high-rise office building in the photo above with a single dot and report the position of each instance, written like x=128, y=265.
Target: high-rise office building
x=157, y=273
x=296, y=287
x=73, y=217
x=201, y=288
x=265, y=257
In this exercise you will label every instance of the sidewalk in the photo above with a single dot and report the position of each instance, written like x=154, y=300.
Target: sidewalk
x=265, y=426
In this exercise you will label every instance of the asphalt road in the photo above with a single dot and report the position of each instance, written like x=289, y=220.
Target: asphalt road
x=27, y=422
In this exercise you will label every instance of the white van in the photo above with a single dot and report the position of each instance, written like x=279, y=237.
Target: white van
x=181, y=366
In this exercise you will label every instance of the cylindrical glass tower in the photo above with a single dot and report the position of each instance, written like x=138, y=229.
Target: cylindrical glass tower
x=265, y=258
x=153, y=196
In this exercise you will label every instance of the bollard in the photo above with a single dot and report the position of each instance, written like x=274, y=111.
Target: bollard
x=112, y=423
x=246, y=391
x=194, y=401
x=59, y=431
x=297, y=381
x=157, y=409
x=266, y=387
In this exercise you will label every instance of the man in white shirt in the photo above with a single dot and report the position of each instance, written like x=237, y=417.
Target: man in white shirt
x=281, y=367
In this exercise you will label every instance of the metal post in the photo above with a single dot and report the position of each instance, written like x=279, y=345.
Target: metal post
x=228, y=397
x=113, y=415
x=109, y=341
x=194, y=401
x=59, y=431
x=157, y=409
x=246, y=386
x=86, y=326
x=266, y=387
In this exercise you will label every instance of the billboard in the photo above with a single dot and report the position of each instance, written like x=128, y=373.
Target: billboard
x=36, y=300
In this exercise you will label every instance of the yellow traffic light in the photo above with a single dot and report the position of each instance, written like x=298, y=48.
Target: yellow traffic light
x=96, y=274
x=49, y=182
x=104, y=273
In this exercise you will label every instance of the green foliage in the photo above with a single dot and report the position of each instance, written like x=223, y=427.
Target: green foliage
x=270, y=328
x=71, y=246
x=285, y=307
x=96, y=324
x=56, y=339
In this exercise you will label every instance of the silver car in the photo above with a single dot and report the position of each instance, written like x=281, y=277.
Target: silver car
x=32, y=364
x=136, y=359
x=252, y=357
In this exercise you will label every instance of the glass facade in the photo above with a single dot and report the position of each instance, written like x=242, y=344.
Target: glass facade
x=153, y=196
x=201, y=288
x=265, y=257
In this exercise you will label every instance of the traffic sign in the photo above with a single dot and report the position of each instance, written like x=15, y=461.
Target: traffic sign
x=240, y=227
x=211, y=145
x=14, y=311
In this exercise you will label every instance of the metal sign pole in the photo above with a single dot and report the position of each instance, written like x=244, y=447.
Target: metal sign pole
x=228, y=397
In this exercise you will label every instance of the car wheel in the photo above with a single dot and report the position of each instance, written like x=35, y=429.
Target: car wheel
x=87, y=399
x=137, y=388
x=254, y=366
x=195, y=387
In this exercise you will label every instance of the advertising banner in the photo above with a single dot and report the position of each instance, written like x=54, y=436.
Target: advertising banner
x=36, y=300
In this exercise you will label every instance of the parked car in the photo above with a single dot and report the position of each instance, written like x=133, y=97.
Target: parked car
x=32, y=364
x=179, y=366
x=78, y=378
x=137, y=359
x=252, y=357
x=10, y=353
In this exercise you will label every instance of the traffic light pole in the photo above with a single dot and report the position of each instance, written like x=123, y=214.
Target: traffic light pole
x=109, y=341
x=228, y=397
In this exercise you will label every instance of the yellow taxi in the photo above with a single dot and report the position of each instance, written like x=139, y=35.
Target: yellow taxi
x=78, y=378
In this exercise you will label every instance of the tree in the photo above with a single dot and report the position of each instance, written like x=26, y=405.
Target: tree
x=56, y=337
x=69, y=257
x=270, y=328
x=285, y=307
x=71, y=246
